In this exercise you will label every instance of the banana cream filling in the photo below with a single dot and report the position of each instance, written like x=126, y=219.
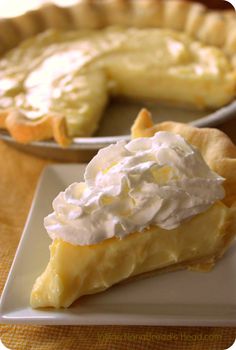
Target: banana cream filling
x=74, y=271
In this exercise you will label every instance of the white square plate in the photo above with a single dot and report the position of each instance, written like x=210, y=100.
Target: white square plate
x=177, y=298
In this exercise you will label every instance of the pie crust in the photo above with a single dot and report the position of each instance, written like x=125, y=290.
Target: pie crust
x=215, y=28
x=196, y=244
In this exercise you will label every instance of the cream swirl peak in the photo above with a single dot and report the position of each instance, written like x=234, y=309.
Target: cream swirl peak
x=162, y=180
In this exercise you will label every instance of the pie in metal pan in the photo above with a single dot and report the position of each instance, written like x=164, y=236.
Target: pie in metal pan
x=60, y=66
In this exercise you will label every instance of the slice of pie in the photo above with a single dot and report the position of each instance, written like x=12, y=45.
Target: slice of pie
x=57, y=84
x=164, y=201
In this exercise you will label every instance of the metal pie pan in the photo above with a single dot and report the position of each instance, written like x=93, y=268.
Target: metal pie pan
x=116, y=123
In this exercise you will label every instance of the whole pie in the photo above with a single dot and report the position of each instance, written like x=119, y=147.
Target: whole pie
x=164, y=201
x=56, y=84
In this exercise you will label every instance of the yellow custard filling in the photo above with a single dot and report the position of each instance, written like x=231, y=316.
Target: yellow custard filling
x=74, y=271
x=74, y=73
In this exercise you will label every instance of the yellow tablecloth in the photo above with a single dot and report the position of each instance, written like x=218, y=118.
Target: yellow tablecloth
x=19, y=173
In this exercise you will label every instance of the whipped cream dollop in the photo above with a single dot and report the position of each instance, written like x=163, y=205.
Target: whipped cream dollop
x=161, y=180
